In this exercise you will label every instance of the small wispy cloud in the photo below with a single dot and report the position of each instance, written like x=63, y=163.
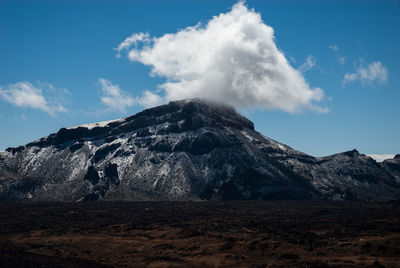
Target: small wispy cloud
x=149, y=99
x=308, y=64
x=26, y=95
x=334, y=47
x=119, y=100
x=368, y=74
x=132, y=40
x=114, y=97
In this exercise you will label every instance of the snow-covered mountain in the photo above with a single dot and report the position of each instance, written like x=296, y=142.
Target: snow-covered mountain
x=185, y=150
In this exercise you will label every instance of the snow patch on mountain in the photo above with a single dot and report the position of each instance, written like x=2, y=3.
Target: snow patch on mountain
x=381, y=157
x=98, y=124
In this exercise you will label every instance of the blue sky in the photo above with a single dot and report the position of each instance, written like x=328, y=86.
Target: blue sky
x=54, y=53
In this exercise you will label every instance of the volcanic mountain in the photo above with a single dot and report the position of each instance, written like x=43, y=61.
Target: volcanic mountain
x=185, y=150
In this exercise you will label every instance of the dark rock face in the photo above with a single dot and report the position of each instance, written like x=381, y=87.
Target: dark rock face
x=185, y=150
x=111, y=173
x=92, y=175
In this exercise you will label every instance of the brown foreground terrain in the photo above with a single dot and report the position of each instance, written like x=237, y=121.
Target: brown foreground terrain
x=200, y=234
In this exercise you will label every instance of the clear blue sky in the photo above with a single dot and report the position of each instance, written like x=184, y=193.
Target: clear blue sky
x=71, y=45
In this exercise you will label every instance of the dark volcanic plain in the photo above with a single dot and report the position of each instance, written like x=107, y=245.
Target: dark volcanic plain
x=200, y=234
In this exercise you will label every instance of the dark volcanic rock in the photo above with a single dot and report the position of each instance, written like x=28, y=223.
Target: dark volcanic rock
x=92, y=175
x=111, y=173
x=186, y=150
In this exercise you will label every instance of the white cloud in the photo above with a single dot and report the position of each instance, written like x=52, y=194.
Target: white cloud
x=380, y=157
x=308, y=64
x=149, y=99
x=334, y=47
x=132, y=41
x=350, y=77
x=232, y=58
x=25, y=94
x=373, y=72
x=115, y=98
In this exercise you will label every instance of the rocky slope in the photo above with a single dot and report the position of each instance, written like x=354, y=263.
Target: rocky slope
x=185, y=150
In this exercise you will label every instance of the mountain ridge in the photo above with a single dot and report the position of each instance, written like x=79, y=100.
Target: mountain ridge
x=185, y=150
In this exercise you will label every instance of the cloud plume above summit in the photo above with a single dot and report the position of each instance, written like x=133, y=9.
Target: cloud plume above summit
x=232, y=58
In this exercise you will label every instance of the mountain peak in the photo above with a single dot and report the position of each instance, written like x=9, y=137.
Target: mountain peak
x=352, y=153
x=175, y=117
x=218, y=112
x=223, y=113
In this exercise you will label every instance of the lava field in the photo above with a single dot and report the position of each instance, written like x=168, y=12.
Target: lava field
x=200, y=234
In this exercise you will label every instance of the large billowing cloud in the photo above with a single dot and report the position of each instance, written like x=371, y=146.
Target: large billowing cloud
x=232, y=58
x=25, y=94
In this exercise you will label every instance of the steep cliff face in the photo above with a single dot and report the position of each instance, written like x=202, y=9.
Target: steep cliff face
x=185, y=150
x=393, y=166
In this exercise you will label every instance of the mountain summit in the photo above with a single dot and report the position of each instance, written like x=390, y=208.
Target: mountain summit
x=185, y=150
